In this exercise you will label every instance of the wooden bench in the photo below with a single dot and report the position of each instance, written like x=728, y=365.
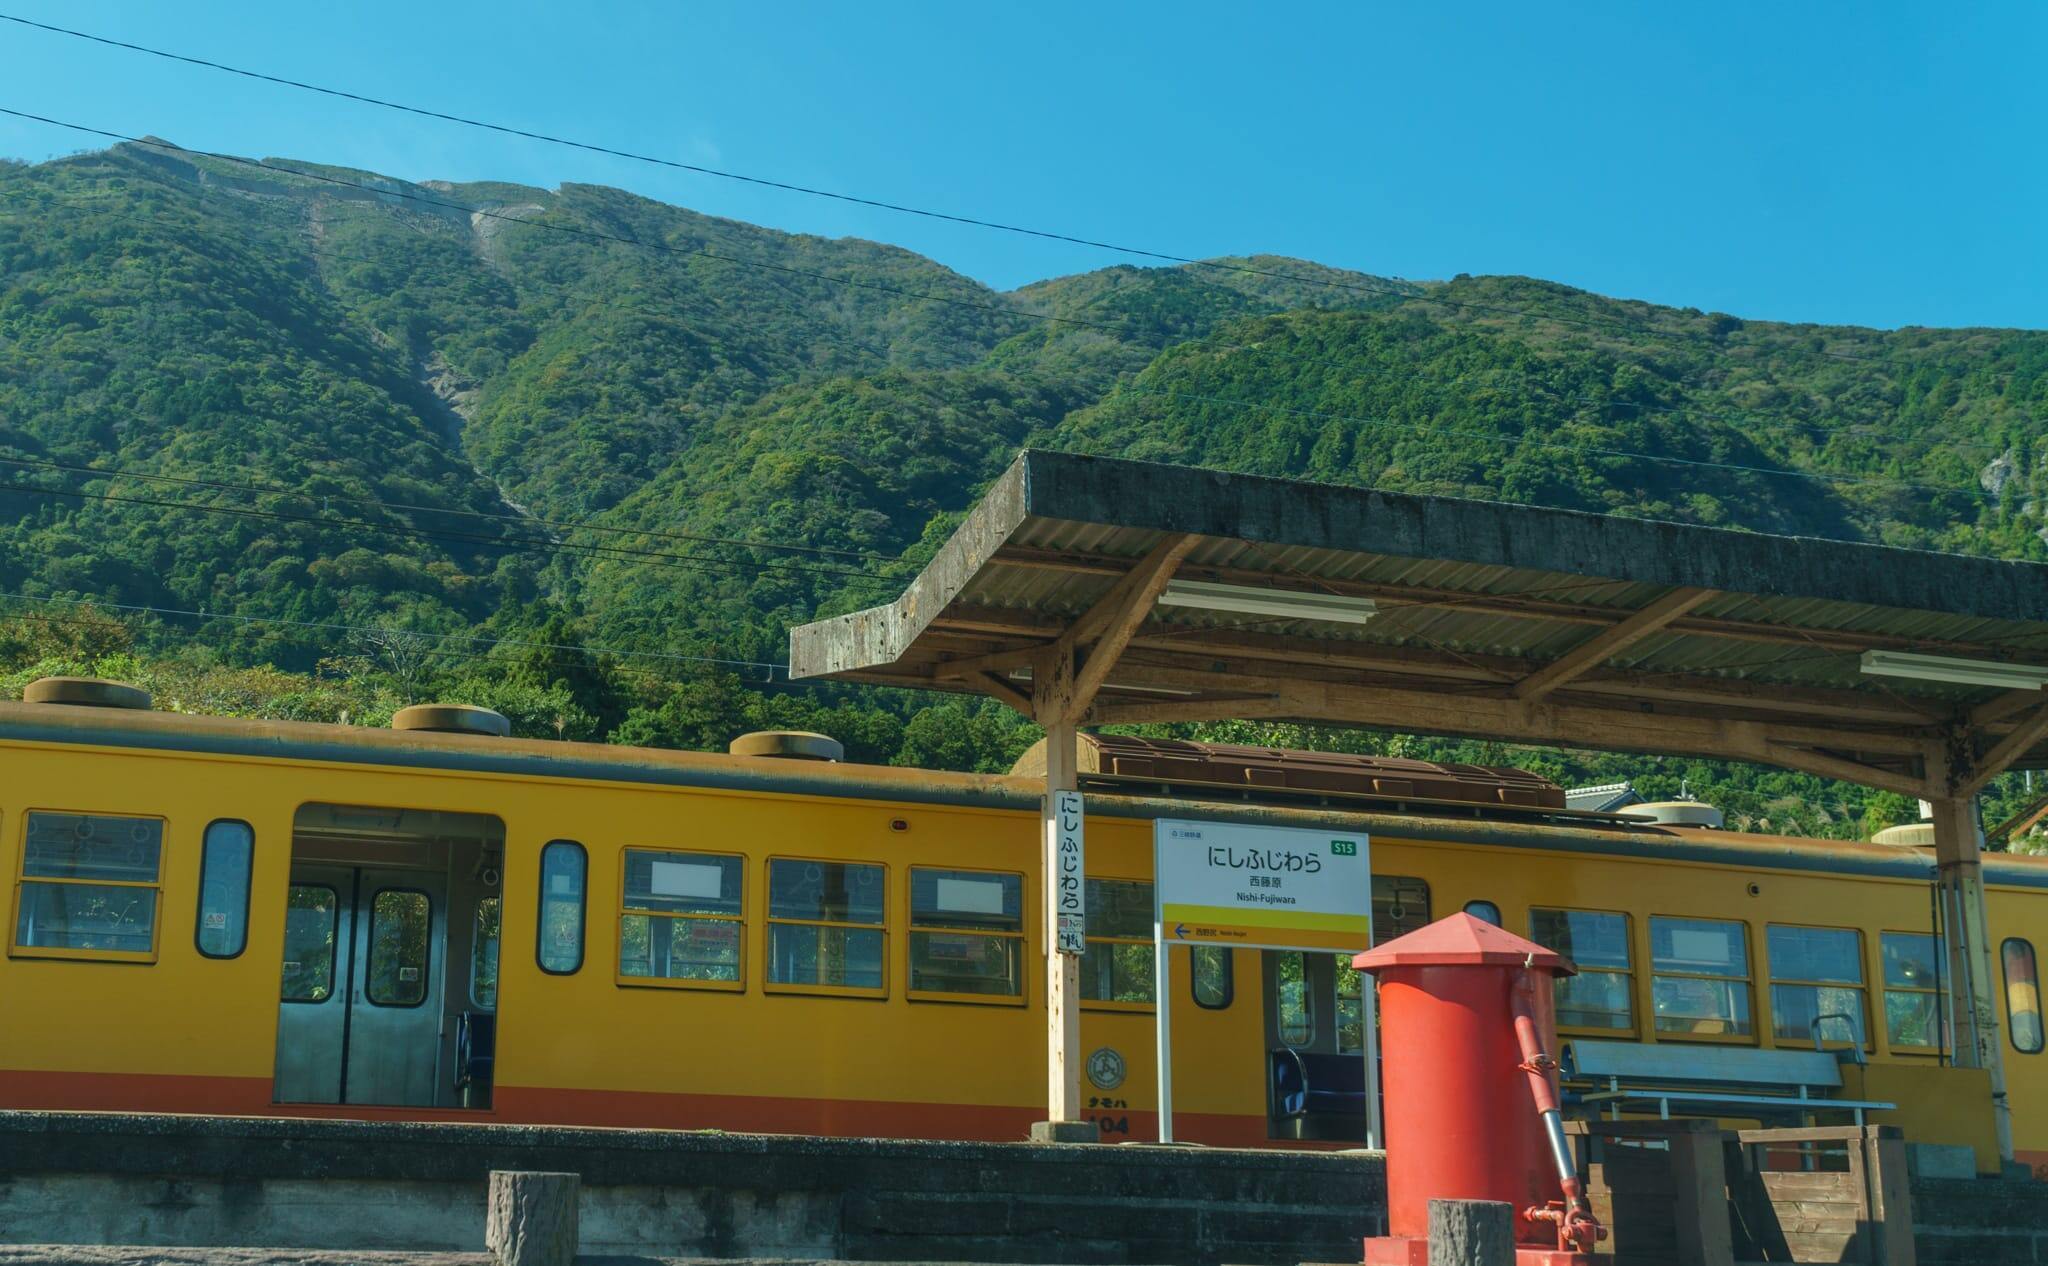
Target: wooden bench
x=1711, y=1081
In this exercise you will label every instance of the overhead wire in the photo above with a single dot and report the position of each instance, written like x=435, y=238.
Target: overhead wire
x=1407, y=291
x=899, y=291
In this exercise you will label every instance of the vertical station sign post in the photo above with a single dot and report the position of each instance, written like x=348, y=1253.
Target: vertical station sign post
x=1266, y=888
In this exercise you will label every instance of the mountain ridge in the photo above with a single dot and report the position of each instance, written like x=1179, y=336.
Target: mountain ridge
x=490, y=419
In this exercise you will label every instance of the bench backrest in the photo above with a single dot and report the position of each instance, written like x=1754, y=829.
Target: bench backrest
x=1683, y=1064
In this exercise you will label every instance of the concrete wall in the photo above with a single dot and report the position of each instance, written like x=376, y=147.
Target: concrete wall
x=148, y=1180
x=1981, y=1222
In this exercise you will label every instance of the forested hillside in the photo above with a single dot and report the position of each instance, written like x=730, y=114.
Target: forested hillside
x=358, y=442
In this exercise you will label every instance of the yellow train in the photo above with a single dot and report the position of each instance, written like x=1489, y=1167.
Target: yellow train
x=482, y=928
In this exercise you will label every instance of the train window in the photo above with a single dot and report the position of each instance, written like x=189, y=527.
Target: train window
x=309, y=923
x=1116, y=967
x=1485, y=912
x=1600, y=997
x=558, y=939
x=89, y=887
x=1699, y=982
x=225, y=858
x=2022, y=995
x=1912, y=991
x=966, y=935
x=400, y=929
x=682, y=921
x=1816, y=984
x=1400, y=905
x=483, y=954
x=1350, y=1007
x=825, y=927
x=1296, y=1022
x=1212, y=976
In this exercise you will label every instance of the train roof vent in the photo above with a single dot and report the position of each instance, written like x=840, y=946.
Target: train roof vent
x=1678, y=813
x=788, y=744
x=451, y=718
x=86, y=692
x=1910, y=835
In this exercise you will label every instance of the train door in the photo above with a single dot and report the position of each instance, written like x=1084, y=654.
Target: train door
x=390, y=959
x=1315, y=1022
x=359, y=1020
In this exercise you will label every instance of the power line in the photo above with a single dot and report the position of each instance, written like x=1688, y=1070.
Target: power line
x=826, y=277
x=1355, y=282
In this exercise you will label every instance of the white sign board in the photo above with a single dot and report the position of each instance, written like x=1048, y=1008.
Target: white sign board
x=1258, y=887
x=1221, y=883
x=1070, y=922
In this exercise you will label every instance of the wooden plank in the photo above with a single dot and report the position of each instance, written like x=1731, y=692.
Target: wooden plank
x=1812, y=1186
x=1699, y=1185
x=1825, y=1246
x=1891, y=1201
x=1109, y=625
x=1609, y=642
x=1845, y=1135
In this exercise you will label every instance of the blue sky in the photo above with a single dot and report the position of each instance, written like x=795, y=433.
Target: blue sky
x=1878, y=164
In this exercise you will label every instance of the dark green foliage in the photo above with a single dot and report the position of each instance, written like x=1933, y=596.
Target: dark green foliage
x=457, y=439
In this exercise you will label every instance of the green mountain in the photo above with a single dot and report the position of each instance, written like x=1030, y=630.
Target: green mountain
x=374, y=440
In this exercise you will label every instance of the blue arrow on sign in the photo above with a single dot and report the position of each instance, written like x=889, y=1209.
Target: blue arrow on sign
x=1180, y=930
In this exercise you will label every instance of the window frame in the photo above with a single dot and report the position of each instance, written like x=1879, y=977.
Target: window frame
x=248, y=888
x=1229, y=977
x=1152, y=978
x=739, y=922
x=2006, y=979
x=1500, y=916
x=769, y=920
x=334, y=952
x=1628, y=973
x=426, y=958
x=1022, y=935
x=22, y=879
x=1772, y=980
x=1755, y=1035
x=540, y=927
x=1938, y=991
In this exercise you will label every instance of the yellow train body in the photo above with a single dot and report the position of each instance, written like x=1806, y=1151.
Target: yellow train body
x=170, y=1028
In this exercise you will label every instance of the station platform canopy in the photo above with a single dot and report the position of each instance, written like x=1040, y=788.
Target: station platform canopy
x=1095, y=591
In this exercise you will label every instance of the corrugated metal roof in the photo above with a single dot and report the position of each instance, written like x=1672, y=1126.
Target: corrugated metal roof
x=1472, y=598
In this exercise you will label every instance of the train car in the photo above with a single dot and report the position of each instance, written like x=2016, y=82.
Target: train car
x=249, y=917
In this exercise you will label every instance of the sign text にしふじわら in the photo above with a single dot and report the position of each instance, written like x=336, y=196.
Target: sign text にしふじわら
x=1273, y=887
x=1071, y=914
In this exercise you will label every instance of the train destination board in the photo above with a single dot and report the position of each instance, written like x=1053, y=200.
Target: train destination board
x=1268, y=887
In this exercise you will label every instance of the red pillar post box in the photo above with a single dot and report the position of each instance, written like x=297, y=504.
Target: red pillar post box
x=1468, y=1032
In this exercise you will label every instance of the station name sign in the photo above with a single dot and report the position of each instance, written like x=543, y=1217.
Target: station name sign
x=1271, y=887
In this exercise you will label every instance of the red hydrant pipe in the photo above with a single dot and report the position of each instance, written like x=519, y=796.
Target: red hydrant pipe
x=1577, y=1227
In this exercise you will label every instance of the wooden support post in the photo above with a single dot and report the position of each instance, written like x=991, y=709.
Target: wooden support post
x=1973, y=1002
x=1063, y=1123
x=531, y=1220
x=1471, y=1233
x=1699, y=1189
